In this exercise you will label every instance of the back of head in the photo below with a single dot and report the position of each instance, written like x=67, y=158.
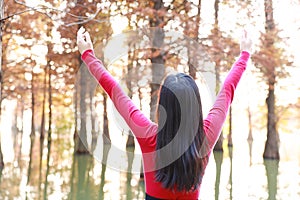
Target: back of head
x=180, y=134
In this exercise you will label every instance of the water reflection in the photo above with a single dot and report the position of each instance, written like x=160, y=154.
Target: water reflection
x=106, y=149
x=129, y=194
x=218, y=155
x=76, y=177
x=230, y=174
x=272, y=173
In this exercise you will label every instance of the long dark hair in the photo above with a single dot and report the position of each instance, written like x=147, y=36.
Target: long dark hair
x=180, y=134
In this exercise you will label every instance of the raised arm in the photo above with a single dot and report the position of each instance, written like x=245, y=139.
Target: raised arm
x=216, y=117
x=140, y=125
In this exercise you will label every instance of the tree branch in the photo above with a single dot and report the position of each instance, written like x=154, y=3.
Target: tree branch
x=41, y=9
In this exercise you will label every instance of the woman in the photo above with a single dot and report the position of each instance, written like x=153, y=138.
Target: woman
x=176, y=149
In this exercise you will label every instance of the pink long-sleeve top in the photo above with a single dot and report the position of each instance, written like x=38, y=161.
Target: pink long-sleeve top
x=145, y=130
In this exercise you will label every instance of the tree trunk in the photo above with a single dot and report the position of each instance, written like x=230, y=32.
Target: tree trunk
x=158, y=62
x=130, y=139
x=82, y=139
x=1, y=81
x=93, y=121
x=22, y=131
x=272, y=146
x=32, y=134
x=42, y=134
x=229, y=137
x=75, y=135
x=50, y=47
x=219, y=144
x=106, y=137
x=49, y=136
x=192, y=59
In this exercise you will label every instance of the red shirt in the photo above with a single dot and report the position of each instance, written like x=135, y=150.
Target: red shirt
x=145, y=130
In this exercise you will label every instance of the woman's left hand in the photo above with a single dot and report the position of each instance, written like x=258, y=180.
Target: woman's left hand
x=84, y=41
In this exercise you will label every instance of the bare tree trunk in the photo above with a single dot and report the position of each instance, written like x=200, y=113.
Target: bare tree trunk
x=1, y=80
x=32, y=134
x=49, y=45
x=219, y=144
x=192, y=58
x=75, y=135
x=158, y=62
x=272, y=147
x=229, y=137
x=22, y=131
x=49, y=136
x=93, y=121
x=106, y=137
x=42, y=134
x=82, y=139
x=130, y=140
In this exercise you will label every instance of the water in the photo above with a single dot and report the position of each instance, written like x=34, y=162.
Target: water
x=237, y=173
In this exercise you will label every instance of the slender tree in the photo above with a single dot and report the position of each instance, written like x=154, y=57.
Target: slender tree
x=217, y=59
x=272, y=62
x=272, y=147
x=157, y=59
x=223, y=50
x=1, y=27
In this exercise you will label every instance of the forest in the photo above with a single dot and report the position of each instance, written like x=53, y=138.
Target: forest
x=60, y=134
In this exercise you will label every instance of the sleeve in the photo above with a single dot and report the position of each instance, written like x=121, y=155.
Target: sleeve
x=217, y=115
x=139, y=124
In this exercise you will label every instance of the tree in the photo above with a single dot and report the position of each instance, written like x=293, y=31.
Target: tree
x=73, y=21
x=1, y=28
x=157, y=58
x=223, y=51
x=271, y=61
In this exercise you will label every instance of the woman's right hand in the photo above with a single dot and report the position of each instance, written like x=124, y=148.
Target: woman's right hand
x=246, y=42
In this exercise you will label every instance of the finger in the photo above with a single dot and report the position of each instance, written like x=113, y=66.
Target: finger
x=87, y=37
x=81, y=30
x=80, y=33
x=245, y=33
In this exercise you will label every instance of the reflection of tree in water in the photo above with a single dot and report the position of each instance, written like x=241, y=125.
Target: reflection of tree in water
x=129, y=154
x=218, y=155
x=106, y=149
x=82, y=185
x=272, y=173
x=230, y=175
x=250, y=137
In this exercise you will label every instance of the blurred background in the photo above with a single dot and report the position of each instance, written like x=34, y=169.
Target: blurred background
x=59, y=130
